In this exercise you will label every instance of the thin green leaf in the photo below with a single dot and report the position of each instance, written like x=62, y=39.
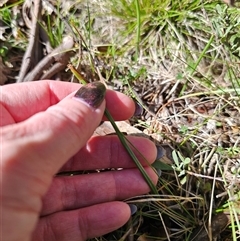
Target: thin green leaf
x=131, y=153
x=121, y=137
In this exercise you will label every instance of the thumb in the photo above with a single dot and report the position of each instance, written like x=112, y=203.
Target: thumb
x=35, y=149
x=44, y=142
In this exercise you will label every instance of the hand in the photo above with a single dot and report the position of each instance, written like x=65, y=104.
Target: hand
x=45, y=130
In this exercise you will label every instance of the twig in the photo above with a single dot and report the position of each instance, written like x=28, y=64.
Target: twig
x=56, y=68
x=32, y=54
x=60, y=55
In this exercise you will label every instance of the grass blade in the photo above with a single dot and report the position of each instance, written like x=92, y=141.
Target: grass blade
x=131, y=153
x=120, y=136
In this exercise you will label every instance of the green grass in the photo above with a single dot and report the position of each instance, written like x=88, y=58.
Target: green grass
x=7, y=20
x=181, y=60
x=197, y=44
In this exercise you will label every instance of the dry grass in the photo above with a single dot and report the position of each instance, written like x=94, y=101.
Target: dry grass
x=181, y=61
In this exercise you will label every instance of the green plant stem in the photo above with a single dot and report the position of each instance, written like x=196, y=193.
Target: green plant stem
x=77, y=74
x=138, y=27
x=131, y=153
x=197, y=63
x=121, y=137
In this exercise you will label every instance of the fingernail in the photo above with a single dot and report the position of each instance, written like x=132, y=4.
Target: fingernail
x=93, y=94
x=160, y=152
x=138, y=109
x=133, y=208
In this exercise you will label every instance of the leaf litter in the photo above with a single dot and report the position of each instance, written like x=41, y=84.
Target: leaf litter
x=191, y=110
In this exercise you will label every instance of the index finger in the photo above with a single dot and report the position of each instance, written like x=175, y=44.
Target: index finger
x=22, y=100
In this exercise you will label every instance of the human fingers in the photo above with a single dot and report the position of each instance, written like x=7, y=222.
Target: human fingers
x=22, y=100
x=73, y=192
x=82, y=224
x=34, y=150
x=50, y=138
x=108, y=152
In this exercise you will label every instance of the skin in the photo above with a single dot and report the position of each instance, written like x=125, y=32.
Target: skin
x=44, y=130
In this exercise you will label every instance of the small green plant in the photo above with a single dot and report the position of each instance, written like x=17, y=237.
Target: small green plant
x=3, y=51
x=233, y=151
x=5, y=13
x=181, y=165
x=183, y=130
x=55, y=31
